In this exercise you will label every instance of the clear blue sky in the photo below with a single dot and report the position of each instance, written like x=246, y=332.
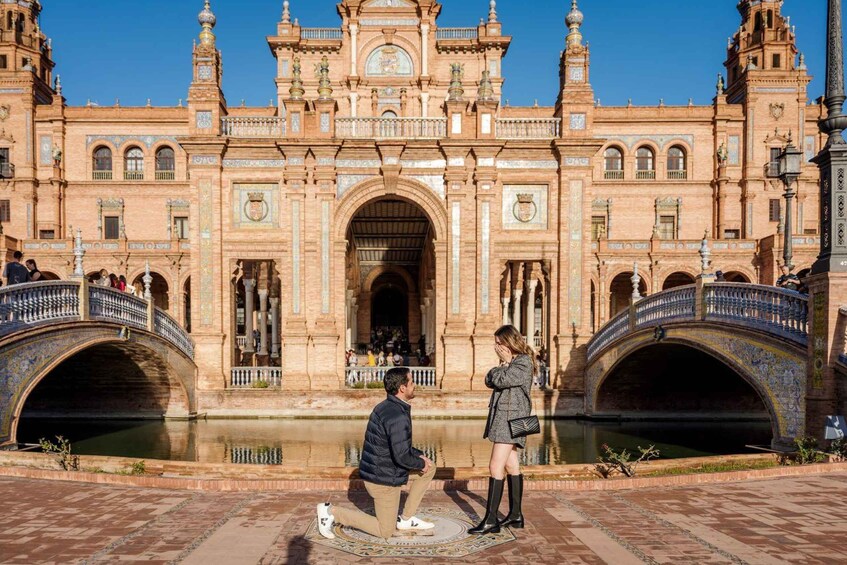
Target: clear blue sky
x=644, y=50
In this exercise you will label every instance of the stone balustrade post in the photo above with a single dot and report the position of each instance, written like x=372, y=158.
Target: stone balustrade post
x=84, y=308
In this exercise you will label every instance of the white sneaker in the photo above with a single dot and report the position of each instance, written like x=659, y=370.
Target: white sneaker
x=413, y=523
x=325, y=520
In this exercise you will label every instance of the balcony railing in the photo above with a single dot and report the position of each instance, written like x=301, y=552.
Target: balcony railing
x=391, y=128
x=101, y=175
x=7, y=171
x=613, y=175
x=422, y=376
x=253, y=126
x=528, y=128
x=645, y=175
x=133, y=175
x=677, y=175
x=457, y=33
x=165, y=175
x=250, y=377
x=321, y=33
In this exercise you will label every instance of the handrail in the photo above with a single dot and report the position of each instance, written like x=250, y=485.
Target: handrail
x=251, y=377
x=457, y=33
x=391, y=128
x=321, y=33
x=253, y=126
x=674, y=304
x=28, y=305
x=422, y=376
x=528, y=128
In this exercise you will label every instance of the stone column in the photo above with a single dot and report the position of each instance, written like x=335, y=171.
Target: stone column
x=506, y=301
x=249, y=285
x=263, y=321
x=517, y=297
x=530, y=312
x=354, y=322
x=274, y=327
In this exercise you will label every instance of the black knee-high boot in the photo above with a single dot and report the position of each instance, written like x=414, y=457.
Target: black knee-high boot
x=515, y=517
x=489, y=524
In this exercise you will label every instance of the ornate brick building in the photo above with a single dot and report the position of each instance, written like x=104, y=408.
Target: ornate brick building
x=389, y=186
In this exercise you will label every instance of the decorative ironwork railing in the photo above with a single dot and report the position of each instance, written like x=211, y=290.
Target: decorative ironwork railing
x=422, y=376
x=776, y=311
x=23, y=306
x=675, y=304
x=677, y=175
x=613, y=175
x=101, y=175
x=253, y=126
x=165, y=175
x=457, y=33
x=528, y=128
x=321, y=33
x=255, y=377
x=391, y=128
x=645, y=175
x=133, y=175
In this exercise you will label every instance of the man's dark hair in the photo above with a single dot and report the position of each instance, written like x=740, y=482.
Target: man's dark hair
x=18, y=255
x=395, y=378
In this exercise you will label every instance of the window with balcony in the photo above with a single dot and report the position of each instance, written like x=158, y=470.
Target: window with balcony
x=165, y=164
x=5, y=210
x=111, y=227
x=645, y=164
x=181, y=227
x=774, y=209
x=613, y=164
x=667, y=227
x=102, y=164
x=598, y=227
x=732, y=234
x=134, y=164
x=7, y=170
x=46, y=234
x=772, y=168
x=677, y=169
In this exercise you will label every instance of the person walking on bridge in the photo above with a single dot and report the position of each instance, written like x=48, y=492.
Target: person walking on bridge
x=15, y=273
x=388, y=462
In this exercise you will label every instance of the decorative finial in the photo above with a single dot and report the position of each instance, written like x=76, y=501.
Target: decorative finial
x=705, y=253
x=802, y=65
x=296, y=91
x=636, y=282
x=574, y=21
x=751, y=66
x=456, y=91
x=148, y=278
x=836, y=122
x=720, y=85
x=492, y=11
x=324, y=86
x=486, y=89
x=286, y=15
x=207, y=21
x=79, y=253
x=149, y=102
x=58, y=87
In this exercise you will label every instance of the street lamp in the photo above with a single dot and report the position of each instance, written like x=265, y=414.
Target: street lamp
x=790, y=163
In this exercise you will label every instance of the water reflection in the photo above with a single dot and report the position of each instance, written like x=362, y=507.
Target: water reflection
x=338, y=443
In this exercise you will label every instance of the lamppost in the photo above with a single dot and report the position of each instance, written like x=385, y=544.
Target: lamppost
x=789, y=171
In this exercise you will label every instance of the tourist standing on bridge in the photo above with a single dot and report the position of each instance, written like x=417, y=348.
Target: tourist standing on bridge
x=511, y=382
x=387, y=460
x=15, y=273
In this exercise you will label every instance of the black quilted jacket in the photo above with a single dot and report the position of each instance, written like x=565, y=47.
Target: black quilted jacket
x=388, y=455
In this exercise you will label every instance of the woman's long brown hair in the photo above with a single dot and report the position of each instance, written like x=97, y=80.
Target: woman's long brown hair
x=512, y=338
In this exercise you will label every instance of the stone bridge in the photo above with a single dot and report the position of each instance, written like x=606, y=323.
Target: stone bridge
x=90, y=340
x=758, y=332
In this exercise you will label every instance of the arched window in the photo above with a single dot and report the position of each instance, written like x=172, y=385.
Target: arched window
x=102, y=163
x=677, y=169
x=134, y=164
x=645, y=165
x=389, y=114
x=165, y=164
x=613, y=163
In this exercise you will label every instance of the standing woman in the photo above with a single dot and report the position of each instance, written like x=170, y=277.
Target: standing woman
x=511, y=382
x=34, y=273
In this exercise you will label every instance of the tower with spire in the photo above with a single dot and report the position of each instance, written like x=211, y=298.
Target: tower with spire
x=206, y=101
x=576, y=97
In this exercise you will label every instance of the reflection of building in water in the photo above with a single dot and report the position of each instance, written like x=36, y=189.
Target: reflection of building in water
x=536, y=454
x=255, y=455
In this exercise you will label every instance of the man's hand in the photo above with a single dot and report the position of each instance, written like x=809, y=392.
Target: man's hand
x=428, y=464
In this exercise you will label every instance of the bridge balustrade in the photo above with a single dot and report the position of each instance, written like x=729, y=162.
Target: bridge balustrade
x=768, y=309
x=250, y=377
x=774, y=310
x=27, y=305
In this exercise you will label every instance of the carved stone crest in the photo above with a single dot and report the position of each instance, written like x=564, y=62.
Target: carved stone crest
x=777, y=110
x=525, y=209
x=256, y=209
x=4, y=112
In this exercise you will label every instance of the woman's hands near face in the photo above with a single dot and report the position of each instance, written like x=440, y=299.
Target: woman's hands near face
x=503, y=352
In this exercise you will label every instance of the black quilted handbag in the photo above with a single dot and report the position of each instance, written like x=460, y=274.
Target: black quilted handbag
x=526, y=426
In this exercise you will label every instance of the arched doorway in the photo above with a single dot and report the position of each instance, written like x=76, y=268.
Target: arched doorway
x=620, y=293
x=736, y=277
x=49, y=276
x=390, y=259
x=158, y=289
x=677, y=279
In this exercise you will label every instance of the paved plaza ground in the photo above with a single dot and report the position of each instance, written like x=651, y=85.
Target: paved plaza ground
x=783, y=520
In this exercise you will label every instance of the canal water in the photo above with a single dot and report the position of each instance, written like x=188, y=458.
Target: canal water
x=338, y=443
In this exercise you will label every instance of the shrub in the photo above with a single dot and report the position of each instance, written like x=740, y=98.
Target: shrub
x=62, y=450
x=839, y=449
x=376, y=385
x=260, y=384
x=611, y=461
x=807, y=451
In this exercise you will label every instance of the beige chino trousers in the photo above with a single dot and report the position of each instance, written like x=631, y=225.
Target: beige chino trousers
x=386, y=505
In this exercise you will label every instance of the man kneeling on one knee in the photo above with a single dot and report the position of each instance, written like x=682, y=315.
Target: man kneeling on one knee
x=388, y=462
